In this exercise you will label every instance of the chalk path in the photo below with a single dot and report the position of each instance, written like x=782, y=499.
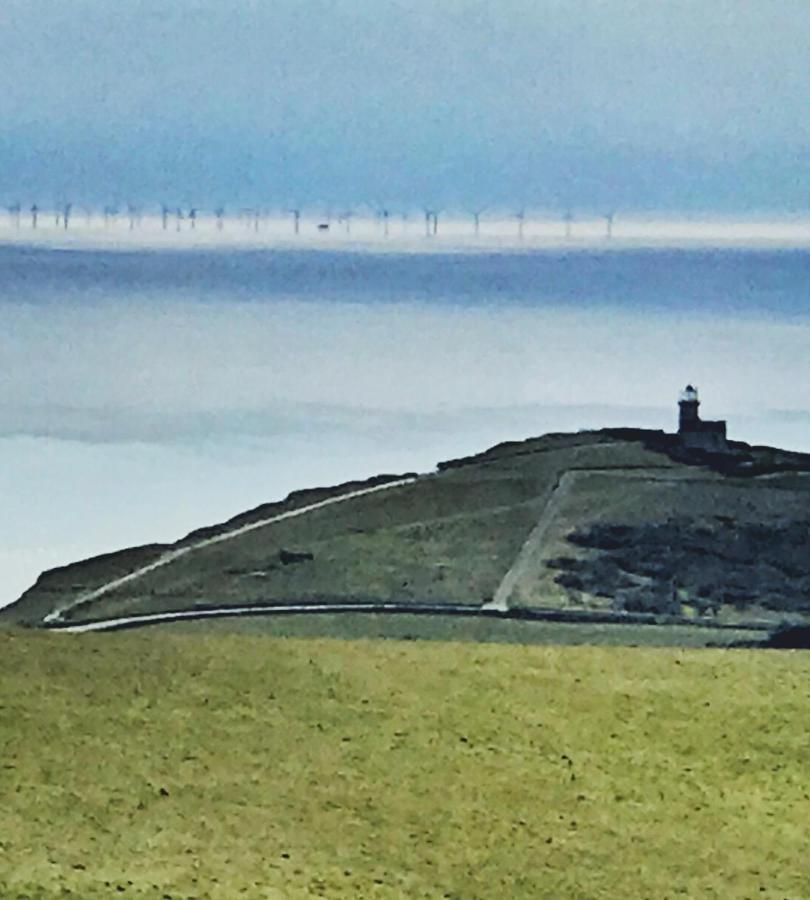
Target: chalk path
x=506, y=590
x=171, y=556
x=527, y=556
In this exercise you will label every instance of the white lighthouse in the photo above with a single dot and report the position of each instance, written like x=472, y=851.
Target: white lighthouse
x=710, y=437
x=688, y=404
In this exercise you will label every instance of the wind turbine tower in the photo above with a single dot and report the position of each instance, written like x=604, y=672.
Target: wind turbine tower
x=568, y=218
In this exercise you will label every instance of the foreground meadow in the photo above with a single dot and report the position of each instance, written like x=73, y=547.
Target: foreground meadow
x=157, y=764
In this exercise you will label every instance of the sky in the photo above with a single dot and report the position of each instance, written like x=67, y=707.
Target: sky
x=671, y=105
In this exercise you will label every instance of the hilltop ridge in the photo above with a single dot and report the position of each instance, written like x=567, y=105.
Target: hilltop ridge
x=616, y=521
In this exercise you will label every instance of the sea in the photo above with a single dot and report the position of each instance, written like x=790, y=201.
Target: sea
x=146, y=392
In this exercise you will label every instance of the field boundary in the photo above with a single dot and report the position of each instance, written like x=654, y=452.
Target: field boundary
x=518, y=613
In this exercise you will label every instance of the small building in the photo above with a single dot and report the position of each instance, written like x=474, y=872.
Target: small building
x=694, y=433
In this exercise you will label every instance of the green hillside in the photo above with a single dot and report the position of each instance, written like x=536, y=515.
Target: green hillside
x=612, y=521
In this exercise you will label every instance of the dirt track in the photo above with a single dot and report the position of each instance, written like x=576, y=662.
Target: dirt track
x=58, y=614
x=526, y=561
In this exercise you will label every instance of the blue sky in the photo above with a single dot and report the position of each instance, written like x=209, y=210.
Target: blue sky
x=629, y=104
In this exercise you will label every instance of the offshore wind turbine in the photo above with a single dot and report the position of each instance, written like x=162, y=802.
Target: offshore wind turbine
x=346, y=219
x=296, y=214
x=520, y=215
x=568, y=218
x=476, y=214
x=431, y=221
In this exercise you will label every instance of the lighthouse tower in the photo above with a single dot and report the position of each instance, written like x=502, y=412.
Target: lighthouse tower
x=688, y=407
x=694, y=433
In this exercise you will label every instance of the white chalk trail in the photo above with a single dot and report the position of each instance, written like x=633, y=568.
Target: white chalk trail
x=167, y=558
x=556, y=495
x=221, y=612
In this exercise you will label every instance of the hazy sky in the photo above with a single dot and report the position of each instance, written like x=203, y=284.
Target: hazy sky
x=643, y=104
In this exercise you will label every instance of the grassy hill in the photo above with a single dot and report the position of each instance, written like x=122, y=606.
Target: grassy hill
x=618, y=521
x=158, y=765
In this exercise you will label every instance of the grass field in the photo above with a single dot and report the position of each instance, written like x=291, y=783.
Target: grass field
x=404, y=626
x=161, y=764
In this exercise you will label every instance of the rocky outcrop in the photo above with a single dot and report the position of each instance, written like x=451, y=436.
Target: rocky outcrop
x=704, y=564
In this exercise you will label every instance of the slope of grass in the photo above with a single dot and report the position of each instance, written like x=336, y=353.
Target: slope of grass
x=153, y=764
x=449, y=536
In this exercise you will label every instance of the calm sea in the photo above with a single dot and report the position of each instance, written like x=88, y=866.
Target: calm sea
x=716, y=280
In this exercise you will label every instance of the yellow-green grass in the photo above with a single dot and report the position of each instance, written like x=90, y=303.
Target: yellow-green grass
x=156, y=764
x=406, y=626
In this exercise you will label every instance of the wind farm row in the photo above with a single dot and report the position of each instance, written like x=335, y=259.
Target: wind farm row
x=429, y=220
x=165, y=224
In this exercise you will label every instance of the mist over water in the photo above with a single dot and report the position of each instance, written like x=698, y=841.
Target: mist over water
x=147, y=393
